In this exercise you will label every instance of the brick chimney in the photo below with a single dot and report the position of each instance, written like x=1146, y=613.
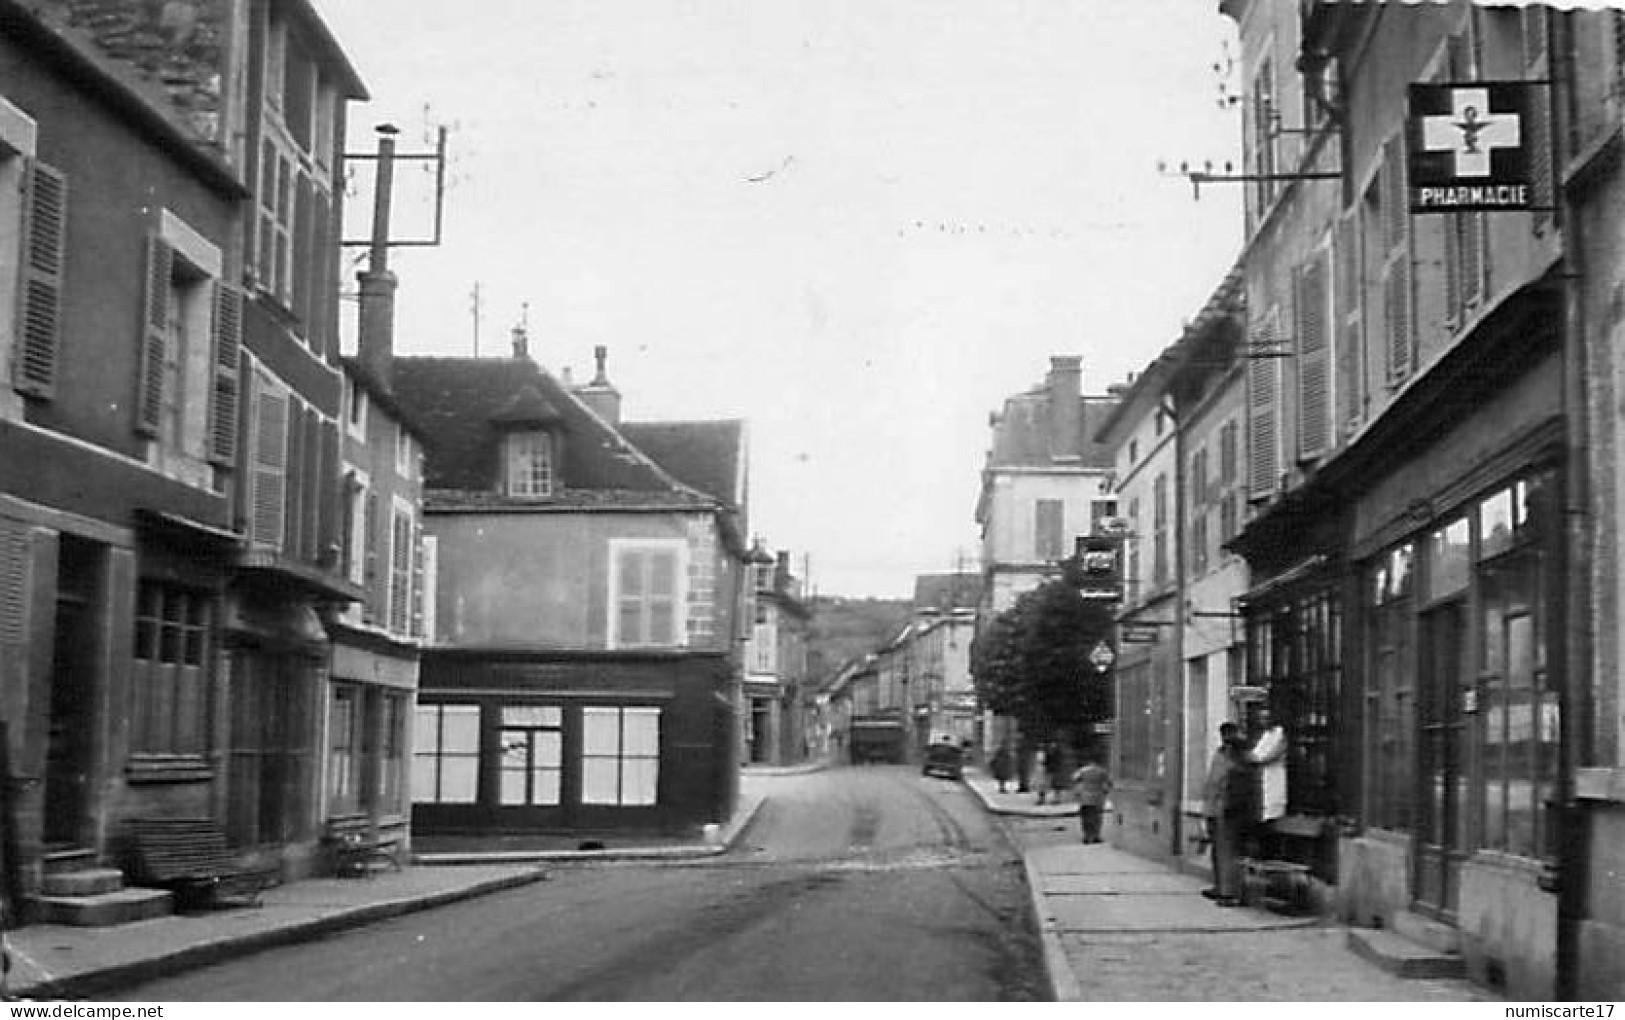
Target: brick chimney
x=1065, y=387
x=600, y=394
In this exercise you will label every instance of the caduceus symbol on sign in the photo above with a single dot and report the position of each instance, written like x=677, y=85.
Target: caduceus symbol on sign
x=1471, y=126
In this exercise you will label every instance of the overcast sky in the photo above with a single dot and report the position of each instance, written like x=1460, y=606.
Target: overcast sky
x=857, y=224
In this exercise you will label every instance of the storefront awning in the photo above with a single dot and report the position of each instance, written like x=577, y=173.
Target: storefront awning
x=1291, y=575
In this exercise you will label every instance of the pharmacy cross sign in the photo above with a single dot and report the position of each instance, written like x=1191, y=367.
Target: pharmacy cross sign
x=1467, y=147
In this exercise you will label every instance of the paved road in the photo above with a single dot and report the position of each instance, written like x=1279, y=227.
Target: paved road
x=852, y=884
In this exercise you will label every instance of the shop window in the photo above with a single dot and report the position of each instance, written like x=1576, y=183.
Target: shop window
x=620, y=756
x=169, y=689
x=1448, y=557
x=532, y=754
x=392, y=754
x=1391, y=693
x=344, y=760
x=446, y=754
x=1134, y=721
x=1518, y=715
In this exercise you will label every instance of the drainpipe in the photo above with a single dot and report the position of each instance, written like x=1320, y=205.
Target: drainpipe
x=1176, y=810
x=1574, y=619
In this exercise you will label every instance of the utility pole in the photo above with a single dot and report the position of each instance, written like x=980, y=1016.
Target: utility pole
x=474, y=309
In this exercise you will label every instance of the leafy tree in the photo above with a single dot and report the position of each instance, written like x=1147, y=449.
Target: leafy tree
x=1032, y=662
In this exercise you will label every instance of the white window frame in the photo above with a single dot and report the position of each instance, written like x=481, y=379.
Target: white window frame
x=186, y=402
x=520, y=456
x=429, y=755
x=359, y=526
x=620, y=547
x=588, y=755
x=403, y=451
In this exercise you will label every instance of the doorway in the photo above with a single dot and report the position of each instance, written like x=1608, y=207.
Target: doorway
x=1441, y=841
x=70, y=742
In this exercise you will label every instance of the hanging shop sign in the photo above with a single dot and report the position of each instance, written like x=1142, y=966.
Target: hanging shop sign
x=1468, y=147
x=1102, y=657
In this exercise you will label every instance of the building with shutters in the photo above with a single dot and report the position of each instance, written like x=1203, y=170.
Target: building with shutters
x=371, y=690
x=168, y=426
x=1045, y=481
x=585, y=674
x=1427, y=614
x=944, y=705
x=1145, y=749
x=776, y=712
x=1175, y=437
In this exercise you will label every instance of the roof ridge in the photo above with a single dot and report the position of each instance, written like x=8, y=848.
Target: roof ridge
x=647, y=461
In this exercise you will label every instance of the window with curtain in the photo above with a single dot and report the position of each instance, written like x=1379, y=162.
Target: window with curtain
x=532, y=754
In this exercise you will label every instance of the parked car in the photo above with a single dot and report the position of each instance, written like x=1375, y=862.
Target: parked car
x=945, y=760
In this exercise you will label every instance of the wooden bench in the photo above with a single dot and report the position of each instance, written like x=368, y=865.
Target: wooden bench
x=189, y=856
x=357, y=843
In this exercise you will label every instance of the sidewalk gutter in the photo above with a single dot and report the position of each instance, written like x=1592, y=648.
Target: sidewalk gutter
x=1063, y=981
x=89, y=982
x=719, y=840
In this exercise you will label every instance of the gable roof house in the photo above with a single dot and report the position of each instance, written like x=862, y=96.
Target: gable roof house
x=584, y=671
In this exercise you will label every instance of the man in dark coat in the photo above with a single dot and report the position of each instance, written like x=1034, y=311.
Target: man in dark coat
x=1227, y=800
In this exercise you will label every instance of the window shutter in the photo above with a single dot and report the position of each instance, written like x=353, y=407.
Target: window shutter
x=417, y=581
x=228, y=343
x=1349, y=336
x=1263, y=462
x=1314, y=369
x=1538, y=136
x=149, y=406
x=39, y=295
x=1397, y=285
x=662, y=599
x=1397, y=304
x=1619, y=51
x=633, y=584
x=15, y=549
x=270, y=468
x=373, y=607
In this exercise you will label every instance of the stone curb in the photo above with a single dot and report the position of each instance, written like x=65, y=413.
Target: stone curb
x=165, y=964
x=724, y=842
x=1063, y=981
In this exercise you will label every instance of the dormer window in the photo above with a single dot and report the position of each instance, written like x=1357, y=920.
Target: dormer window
x=530, y=465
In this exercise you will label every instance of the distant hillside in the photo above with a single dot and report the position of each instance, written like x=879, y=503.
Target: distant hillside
x=842, y=628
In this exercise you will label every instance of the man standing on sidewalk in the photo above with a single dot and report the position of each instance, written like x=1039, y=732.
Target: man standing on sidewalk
x=1093, y=784
x=1226, y=802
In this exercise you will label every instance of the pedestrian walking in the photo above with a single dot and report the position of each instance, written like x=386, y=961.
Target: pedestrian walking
x=1093, y=785
x=1041, y=773
x=1004, y=765
x=1058, y=763
x=1227, y=806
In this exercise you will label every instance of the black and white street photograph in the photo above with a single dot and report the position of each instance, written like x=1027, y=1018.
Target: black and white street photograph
x=812, y=501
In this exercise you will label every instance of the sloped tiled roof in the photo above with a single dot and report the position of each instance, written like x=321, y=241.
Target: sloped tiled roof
x=1021, y=435
x=947, y=592
x=708, y=455
x=463, y=406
